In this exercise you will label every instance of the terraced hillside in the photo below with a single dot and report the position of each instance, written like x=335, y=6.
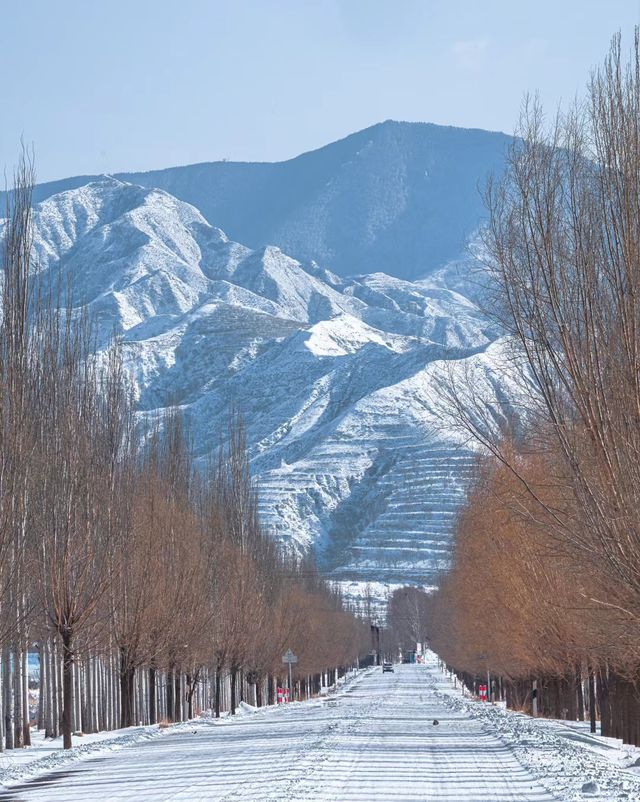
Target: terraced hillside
x=337, y=378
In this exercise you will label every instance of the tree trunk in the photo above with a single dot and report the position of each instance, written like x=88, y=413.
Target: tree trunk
x=177, y=696
x=67, y=687
x=603, y=702
x=170, y=700
x=7, y=671
x=580, y=690
x=26, y=716
x=54, y=689
x=218, y=691
x=43, y=682
x=78, y=724
x=153, y=715
x=18, y=722
x=233, y=691
x=190, y=690
x=127, y=677
x=592, y=701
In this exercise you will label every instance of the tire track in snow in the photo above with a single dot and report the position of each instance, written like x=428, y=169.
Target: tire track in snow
x=376, y=743
x=563, y=759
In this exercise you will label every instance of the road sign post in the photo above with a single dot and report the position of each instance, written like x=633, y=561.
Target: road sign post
x=289, y=659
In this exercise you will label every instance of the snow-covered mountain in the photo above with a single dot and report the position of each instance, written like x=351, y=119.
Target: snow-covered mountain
x=398, y=198
x=336, y=377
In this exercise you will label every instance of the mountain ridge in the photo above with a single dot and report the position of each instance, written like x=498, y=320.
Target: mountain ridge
x=397, y=197
x=336, y=377
x=332, y=350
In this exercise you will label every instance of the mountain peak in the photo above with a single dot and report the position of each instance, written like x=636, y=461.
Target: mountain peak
x=335, y=377
x=398, y=197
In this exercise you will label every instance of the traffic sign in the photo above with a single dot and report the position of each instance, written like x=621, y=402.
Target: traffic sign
x=289, y=659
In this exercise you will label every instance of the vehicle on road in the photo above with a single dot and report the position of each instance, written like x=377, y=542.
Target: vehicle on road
x=387, y=667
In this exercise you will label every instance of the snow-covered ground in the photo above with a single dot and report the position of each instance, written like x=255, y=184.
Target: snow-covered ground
x=373, y=740
x=47, y=755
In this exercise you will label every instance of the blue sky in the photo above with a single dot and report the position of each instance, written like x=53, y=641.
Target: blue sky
x=108, y=85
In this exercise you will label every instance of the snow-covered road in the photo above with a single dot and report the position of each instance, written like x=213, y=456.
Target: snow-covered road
x=375, y=741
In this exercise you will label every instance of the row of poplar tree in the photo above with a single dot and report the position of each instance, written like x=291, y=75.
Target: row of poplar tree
x=148, y=589
x=544, y=592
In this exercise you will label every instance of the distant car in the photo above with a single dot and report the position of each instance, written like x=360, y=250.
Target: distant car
x=387, y=667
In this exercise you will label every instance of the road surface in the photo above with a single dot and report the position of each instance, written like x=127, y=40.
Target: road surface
x=376, y=741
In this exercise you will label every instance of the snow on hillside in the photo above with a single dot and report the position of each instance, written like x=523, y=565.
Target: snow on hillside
x=336, y=377
x=401, y=198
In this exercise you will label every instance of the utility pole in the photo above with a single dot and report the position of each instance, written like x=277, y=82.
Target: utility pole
x=375, y=643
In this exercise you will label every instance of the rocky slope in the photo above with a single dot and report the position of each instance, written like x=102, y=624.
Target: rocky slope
x=398, y=198
x=336, y=377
